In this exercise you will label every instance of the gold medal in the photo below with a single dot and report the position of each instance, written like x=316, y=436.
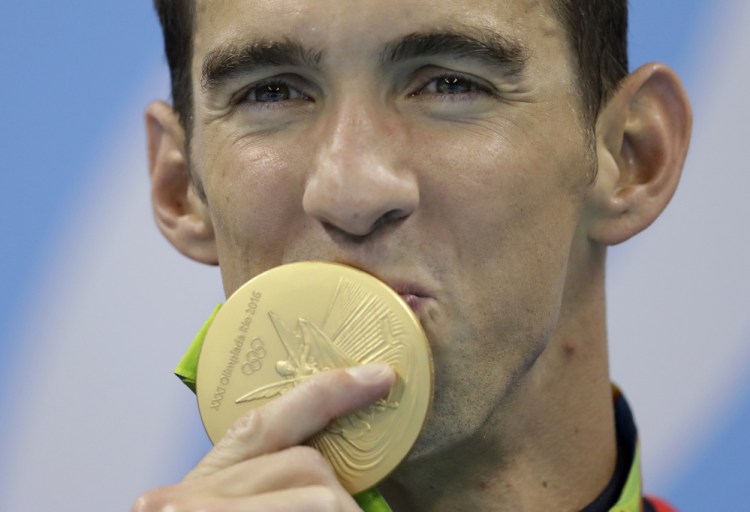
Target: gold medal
x=296, y=320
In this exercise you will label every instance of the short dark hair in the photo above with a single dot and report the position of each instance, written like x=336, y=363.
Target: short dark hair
x=177, y=18
x=597, y=33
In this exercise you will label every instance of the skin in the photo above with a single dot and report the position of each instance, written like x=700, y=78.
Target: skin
x=488, y=204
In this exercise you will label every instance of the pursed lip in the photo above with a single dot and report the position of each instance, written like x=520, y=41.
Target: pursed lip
x=412, y=294
x=416, y=295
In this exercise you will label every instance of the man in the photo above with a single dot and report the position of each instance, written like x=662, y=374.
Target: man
x=477, y=156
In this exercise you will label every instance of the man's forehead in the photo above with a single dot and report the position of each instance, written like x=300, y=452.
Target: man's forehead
x=328, y=23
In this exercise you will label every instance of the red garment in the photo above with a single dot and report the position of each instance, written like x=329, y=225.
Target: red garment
x=661, y=505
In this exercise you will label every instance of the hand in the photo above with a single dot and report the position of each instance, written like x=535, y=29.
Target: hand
x=259, y=465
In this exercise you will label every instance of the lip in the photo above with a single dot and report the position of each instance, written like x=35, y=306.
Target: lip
x=416, y=302
x=413, y=293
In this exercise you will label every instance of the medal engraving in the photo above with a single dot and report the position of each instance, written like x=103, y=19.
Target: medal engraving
x=305, y=318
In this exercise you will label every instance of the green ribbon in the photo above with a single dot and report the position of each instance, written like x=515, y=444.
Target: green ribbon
x=372, y=501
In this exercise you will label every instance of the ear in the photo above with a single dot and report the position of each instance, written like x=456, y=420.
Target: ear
x=180, y=214
x=643, y=135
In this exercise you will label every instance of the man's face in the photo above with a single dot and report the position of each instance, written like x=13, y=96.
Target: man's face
x=437, y=145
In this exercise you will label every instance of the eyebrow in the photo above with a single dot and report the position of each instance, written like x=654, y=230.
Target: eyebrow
x=231, y=59
x=484, y=46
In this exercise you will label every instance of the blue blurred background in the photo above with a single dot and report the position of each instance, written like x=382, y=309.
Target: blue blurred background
x=97, y=308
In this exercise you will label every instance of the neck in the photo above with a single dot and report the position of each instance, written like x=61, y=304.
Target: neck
x=549, y=445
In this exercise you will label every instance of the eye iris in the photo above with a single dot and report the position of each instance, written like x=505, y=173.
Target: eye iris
x=453, y=85
x=272, y=92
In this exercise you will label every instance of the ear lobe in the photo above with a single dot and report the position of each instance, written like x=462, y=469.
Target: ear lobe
x=643, y=134
x=180, y=214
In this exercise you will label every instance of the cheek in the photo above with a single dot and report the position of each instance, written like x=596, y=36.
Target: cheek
x=508, y=209
x=253, y=193
x=503, y=197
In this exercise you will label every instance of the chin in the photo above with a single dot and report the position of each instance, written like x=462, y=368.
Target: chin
x=435, y=440
x=422, y=448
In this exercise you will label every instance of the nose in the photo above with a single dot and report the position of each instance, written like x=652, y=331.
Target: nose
x=358, y=184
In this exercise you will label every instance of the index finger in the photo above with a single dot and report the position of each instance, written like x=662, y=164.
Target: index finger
x=296, y=416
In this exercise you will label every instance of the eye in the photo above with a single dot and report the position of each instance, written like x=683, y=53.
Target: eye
x=273, y=91
x=450, y=84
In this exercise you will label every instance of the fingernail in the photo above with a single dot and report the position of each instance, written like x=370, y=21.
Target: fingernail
x=370, y=372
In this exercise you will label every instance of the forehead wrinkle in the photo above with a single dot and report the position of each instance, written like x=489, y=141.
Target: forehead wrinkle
x=233, y=57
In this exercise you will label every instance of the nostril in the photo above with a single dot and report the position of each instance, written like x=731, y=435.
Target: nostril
x=341, y=235
x=388, y=218
x=394, y=214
